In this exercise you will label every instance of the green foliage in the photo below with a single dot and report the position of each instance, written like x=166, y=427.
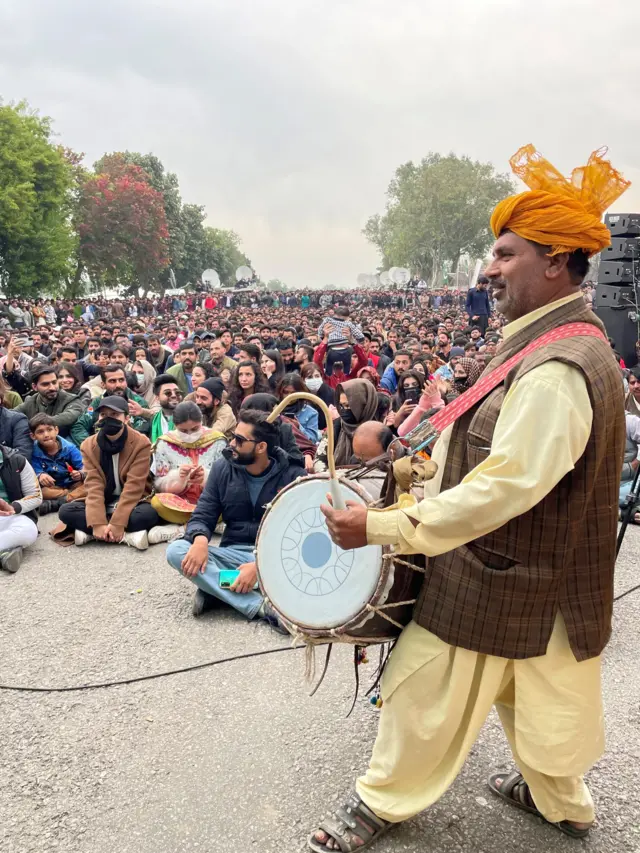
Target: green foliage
x=437, y=210
x=275, y=285
x=36, y=179
x=192, y=262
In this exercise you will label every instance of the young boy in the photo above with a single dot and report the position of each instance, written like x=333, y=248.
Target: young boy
x=57, y=463
x=341, y=332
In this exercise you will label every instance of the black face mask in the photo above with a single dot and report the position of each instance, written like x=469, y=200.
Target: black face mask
x=461, y=384
x=292, y=410
x=110, y=426
x=347, y=416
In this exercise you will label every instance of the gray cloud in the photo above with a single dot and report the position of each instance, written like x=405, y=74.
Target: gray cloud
x=287, y=120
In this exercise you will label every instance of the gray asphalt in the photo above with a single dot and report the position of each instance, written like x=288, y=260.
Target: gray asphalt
x=237, y=757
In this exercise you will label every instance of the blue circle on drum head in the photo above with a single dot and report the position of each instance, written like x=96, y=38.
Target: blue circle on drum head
x=316, y=550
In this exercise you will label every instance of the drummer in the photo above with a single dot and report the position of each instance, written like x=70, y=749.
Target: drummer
x=515, y=609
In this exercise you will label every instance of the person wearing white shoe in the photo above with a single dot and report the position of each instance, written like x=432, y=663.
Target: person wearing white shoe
x=118, y=482
x=20, y=496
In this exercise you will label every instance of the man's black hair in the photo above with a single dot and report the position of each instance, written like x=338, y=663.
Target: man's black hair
x=185, y=345
x=41, y=370
x=111, y=368
x=402, y=352
x=163, y=379
x=262, y=429
x=254, y=352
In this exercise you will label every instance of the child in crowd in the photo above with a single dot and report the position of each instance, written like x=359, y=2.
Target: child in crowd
x=341, y=332
x=57, y=463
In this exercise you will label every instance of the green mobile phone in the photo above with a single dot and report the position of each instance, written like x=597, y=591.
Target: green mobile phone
x=228, y=577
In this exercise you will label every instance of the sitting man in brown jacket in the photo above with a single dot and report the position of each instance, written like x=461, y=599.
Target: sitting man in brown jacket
x=118, y=481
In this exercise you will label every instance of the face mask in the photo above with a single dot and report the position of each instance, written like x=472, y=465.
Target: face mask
x=188, y=437
x=110, y=426
x=314, y=383
x=460, y=384
x=347, y=416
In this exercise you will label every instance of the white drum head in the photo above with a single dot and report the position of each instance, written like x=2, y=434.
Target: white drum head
x=310, y=580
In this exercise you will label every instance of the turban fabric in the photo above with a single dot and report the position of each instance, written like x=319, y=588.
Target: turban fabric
x=558, y=212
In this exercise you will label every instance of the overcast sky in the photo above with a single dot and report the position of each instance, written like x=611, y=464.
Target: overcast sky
x=287, y=118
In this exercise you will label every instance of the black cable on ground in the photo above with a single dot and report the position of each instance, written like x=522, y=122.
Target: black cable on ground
x=192, y=668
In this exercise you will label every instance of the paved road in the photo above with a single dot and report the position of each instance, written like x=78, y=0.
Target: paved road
x=237, y=757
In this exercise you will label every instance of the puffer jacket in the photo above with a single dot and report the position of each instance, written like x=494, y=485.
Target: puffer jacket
x=14, y=432
x=227, y=494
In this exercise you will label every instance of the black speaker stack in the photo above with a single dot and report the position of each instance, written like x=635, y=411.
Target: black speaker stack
x=618, y=287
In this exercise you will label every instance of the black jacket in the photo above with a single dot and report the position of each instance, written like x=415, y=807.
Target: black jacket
x=226, y=493
x=14, y=432
x=11, y=466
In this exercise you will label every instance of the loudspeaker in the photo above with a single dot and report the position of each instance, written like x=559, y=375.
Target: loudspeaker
x=622, y=249
x=618, y=272
x=616, y=307
x=623, y=224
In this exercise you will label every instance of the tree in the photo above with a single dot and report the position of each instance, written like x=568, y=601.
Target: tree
x=437, y=211
x=36, y=238
x=122, y=226
x=223, y=254
x=275, y=285
x=193, y=261
x=165, y=183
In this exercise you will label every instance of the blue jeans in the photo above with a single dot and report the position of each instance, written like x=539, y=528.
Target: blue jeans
x=247, y=603
x=625, y=488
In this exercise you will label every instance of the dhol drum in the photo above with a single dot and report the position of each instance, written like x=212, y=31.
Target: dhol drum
x=320, y=591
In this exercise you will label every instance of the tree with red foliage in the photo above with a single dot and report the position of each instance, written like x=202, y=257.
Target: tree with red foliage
x=122, y=226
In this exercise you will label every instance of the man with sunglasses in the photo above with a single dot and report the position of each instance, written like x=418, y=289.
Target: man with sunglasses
x=168, y=392
x=249, y=475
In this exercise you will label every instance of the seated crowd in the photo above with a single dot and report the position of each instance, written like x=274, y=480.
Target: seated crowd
x=143, y=430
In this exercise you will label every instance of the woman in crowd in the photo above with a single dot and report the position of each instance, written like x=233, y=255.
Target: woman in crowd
x=9, y=398
x=272, y=367
x=71, y=379
x=140, y=353
x=370, y=374
x=315, y=384
x=410, y=386
x=357, y=402
x=632, y=403
x=300, y=411
x=182, y=461
x=225, y=376
x=247, y=379
x=420, y=365
x=466, y=373
x=199, y=374
x=146, y=374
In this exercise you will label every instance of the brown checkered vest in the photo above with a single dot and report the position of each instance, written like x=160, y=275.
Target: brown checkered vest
x=500, y=594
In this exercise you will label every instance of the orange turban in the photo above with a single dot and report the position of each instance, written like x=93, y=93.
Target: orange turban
x=564, y=214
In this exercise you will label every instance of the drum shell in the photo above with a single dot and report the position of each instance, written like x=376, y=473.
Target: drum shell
x=396, y=582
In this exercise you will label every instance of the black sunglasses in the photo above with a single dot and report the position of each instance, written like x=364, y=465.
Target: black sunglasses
x=240, y=439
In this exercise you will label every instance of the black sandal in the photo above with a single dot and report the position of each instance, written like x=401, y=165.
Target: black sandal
x=515, y=791
x=351, y=821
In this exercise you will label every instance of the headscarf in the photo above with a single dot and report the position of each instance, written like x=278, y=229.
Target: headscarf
x=473, y=370
x=363, y=402
x=145, y=386
x=564, y=214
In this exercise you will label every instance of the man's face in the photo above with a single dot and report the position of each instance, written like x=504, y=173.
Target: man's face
x=169, y=396
x=401, y=363
x=119, y=357
x=243, y=445
x=287, y=355
x=154, y=348
x=80, y=337
x=265, y=334
x=37, y=341
x=448, y=324
x=634, y=386
x=204, y=400
x=172, y=334
x=443, y=339
x=188, y=359
x=415, y=349
x=475, y=334
x=301, y=356
x=94, y=346
x=287, y=335
x=105, y=336
x=225, y=337
x=238, y=340
x=106, y=412
x=115, y=384
x=47, y=386
x=521, y=276
x=124, y=342
x=70, y=355
x=392, y=337
x=374, y=347
x=217, y=351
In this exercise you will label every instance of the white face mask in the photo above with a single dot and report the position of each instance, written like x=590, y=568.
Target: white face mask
x=188, y=437
x=313, y=383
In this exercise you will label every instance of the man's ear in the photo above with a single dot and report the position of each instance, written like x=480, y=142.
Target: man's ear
x=557, y=265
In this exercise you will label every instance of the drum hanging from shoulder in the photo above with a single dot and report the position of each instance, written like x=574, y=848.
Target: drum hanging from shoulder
x=320, y=591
